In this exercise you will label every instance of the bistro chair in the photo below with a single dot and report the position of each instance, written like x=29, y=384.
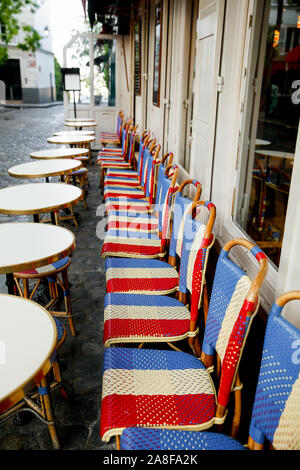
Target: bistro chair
x=131, y=243
x=152, y=276
x=124, y=172
x=123, y=161
x=148, y=180
x=80, y=177
x=173, y=389
x=276, y=409
x=136, y=318
x=56, y=274
x=117, y=154
x=113, y=137
x=143, y=222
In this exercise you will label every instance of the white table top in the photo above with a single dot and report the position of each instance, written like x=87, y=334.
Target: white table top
x=44, y=168
x=275, y=154
x=81, y=124
x=74, y=132
x=59, y=152
x=28, y=245
x=37, y=198
x=80, y=120
x=71, y=139
x=262, y=142
x=27, y=339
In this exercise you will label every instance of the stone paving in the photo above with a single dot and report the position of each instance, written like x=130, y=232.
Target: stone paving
x=77, y=421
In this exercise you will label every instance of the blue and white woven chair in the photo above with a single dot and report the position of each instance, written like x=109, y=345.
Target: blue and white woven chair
x=131, y=243
x=136, y=318
x=152, y=276
x=276, y=409
x=172, y=389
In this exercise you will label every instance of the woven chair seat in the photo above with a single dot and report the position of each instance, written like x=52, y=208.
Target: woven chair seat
x=140, y=276
x=44, y=271
x=115, y=191
x=114, y=164
x=81, y=171
x=140, y=222
x=128, y=205
x=144, y=318
x=119, y=173
x=169, y=439
x=154, y=388
x=127, y=243
x=111, y=158
x=110, y=149
x=119, y=181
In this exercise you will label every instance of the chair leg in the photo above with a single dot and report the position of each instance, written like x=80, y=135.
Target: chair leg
x=47, y=407
x=68, y=305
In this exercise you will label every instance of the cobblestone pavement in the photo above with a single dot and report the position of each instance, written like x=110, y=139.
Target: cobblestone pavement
x=77, y=421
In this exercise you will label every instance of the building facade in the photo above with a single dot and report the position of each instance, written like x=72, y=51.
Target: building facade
x=29, y=77
x=216, y=81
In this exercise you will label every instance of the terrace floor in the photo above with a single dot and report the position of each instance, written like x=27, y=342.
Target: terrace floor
x=77, y=421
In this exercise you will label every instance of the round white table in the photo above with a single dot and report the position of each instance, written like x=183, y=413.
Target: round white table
x=275, y=154
x=74, y=132
x=28, y=337
x=80, y=120
x=44, y=168
x=60, y=152
x=28, y=245
x=262, y=142
x=71, y=139
x=38, y=198
x=81, y=124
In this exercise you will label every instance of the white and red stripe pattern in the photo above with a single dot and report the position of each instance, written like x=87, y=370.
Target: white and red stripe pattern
x=125, y=243
x=140, y=276
x=143, y=318
x=153, y=388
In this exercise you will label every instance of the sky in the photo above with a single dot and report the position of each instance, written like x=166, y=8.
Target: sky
x=65, y=15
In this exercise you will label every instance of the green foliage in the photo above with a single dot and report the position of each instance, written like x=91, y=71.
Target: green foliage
x=58, y=81
x=9, y=11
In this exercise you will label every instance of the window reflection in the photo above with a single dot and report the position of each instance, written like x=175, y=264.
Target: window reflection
x=104, y=73
x=269, y=175
x=157, y=47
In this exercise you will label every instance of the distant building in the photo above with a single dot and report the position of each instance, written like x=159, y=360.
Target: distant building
x=30, y=77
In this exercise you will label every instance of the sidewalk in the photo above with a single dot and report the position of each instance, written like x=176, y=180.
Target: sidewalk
x=30, y=105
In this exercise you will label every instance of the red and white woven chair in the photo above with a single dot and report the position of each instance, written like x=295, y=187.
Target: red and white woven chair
x=131, y=243
x=172, y=389
x=144, y=222
x=122, y=174
x=104, y=158
x=119, y=200
x=136, y=318
x=276, y=409
x=152, y=276
x=113, y=137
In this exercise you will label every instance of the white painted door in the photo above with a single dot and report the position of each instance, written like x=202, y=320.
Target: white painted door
x=207, y=65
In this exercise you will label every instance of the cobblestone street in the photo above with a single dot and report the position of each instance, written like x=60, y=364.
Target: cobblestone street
x=23, y=131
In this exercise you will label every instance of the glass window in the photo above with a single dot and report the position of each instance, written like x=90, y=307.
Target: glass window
x=137, y=57
x=157, y=54
x=78, y=55
x=104, y=72
x=268, y=160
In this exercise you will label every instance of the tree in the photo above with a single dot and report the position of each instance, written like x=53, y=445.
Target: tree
x=58, y=81
x=9, y=27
